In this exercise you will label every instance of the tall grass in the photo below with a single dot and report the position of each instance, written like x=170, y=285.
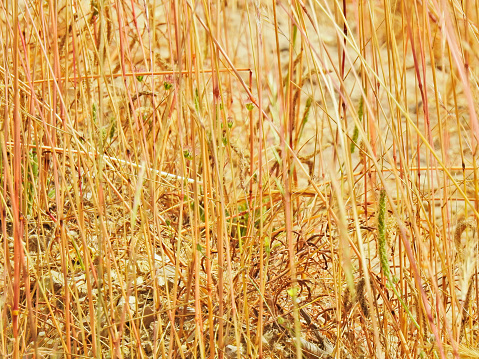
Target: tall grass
x=238, y=179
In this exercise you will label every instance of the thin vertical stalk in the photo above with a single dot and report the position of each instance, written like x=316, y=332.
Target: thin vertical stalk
x=17, y=186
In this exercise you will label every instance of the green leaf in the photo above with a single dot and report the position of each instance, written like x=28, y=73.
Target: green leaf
x=187, y=154
x=292, y=292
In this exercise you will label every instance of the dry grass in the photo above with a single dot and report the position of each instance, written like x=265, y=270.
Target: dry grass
x=239, y=179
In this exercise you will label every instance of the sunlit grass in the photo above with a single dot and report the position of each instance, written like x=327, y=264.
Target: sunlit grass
x=239, y=179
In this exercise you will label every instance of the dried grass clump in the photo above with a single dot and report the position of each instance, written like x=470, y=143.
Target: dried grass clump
x=239, y=179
